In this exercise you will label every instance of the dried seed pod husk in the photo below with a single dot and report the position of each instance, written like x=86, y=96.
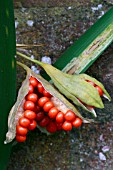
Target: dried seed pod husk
x=17, y=110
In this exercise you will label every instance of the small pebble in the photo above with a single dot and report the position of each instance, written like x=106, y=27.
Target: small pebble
x=71, y=42
x=102, y=156
x=33, y=68
x=81, y=160
x=94, y=9
x=102, y=13
x=46, y=59
x=37, y=71
x=32, y=57
x=30, y=23
x=99, y=6
x=23, y=9
x=105, y=149
x=96, y=152
x=58, y=168
x=16, y=24
x=72, y=140
x=101, y=137
x=69, y=7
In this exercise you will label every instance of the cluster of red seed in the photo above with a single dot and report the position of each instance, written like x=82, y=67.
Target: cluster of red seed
x=96, y=86
x=39, y=109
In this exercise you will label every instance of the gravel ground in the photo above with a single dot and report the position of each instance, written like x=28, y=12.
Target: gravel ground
x=57, y=27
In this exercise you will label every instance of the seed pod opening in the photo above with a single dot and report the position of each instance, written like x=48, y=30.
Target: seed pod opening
x=27, y=106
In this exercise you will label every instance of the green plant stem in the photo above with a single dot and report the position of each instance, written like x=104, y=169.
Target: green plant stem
x=7, y=75
x=28, y=58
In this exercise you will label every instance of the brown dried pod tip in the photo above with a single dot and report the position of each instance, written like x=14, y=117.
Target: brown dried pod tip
x=40, y=105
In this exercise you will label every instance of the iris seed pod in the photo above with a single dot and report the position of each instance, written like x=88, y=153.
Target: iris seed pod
x=17, y=110
x=75, y=87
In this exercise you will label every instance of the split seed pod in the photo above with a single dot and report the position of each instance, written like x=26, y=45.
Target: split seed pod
x=17, y=110
x=76, y=88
